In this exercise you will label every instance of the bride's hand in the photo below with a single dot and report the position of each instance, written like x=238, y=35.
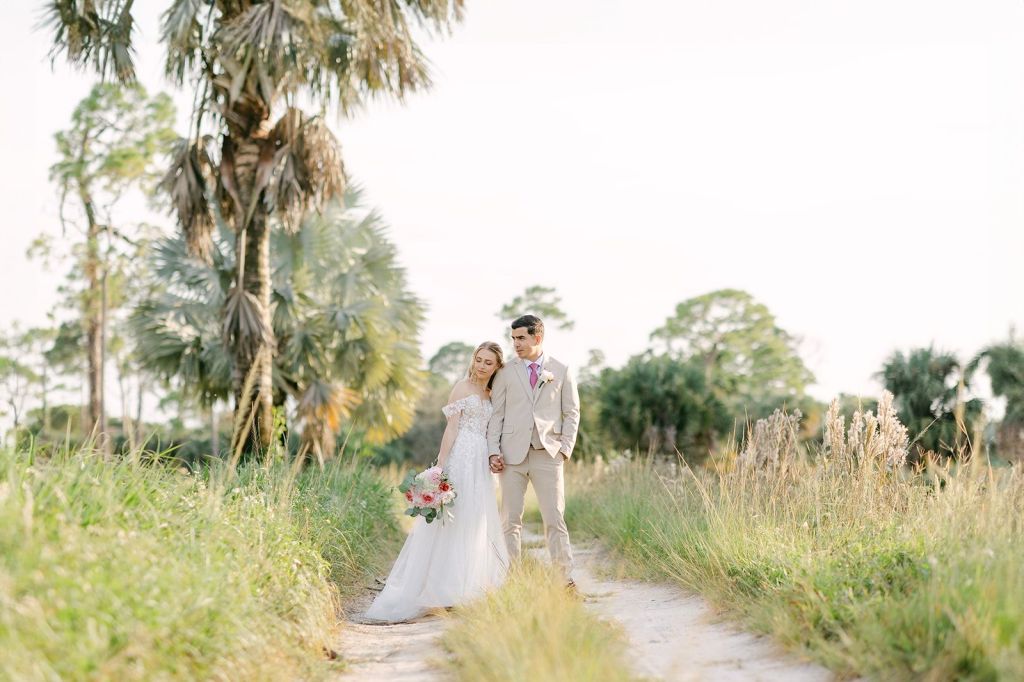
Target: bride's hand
x=496, y=463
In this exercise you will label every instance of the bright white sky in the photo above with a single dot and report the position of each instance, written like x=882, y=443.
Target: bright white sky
x=858, y=166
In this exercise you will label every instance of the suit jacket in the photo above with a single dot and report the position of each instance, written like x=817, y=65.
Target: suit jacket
x=553, y=409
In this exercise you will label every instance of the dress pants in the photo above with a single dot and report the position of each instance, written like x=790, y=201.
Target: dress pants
x=547, y=474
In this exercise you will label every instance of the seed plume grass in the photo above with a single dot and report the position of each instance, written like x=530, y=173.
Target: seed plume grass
x=839, y=549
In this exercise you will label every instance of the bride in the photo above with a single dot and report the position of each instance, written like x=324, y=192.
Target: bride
x=449, y=563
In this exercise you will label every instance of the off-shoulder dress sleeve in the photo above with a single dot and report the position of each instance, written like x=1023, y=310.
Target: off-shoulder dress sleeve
x=455, y=407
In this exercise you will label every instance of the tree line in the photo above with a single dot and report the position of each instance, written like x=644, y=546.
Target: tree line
x=720, y=362
x=276, y=312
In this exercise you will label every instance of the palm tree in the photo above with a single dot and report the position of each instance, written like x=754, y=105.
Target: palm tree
x=929, y=387
x=661, y=403
x=1005, y=368
x=263, y=162
x=344, y=321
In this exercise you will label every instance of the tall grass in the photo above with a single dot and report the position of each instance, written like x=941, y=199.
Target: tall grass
x=533, y=629
x=136, y=571
x=870, y=568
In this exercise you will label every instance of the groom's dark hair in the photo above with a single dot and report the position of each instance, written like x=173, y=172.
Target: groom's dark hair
x=534, y=325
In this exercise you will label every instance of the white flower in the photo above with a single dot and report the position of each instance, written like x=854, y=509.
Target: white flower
x=546, y=376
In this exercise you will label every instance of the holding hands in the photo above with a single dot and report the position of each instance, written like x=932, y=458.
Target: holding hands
x=497, y=463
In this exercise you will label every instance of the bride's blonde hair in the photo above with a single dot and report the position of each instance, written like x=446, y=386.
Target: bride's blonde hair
x=498, y=353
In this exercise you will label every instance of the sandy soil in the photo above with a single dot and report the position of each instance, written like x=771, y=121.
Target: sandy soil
x=676, y=636
x=403, y=652
x=673, y=635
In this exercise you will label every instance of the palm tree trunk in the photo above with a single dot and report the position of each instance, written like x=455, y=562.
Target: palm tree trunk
x=257, y=282
x=254, y=261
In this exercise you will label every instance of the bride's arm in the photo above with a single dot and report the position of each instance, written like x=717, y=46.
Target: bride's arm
x=452, y=428
x=448, y=439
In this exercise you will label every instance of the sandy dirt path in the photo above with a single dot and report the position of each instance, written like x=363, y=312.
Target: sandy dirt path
x=403, y=652
x=673, y=635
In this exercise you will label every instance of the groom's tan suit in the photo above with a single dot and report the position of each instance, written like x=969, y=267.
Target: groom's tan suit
x=534, y=430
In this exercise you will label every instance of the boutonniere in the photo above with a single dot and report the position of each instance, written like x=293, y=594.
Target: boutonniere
x=546, y=377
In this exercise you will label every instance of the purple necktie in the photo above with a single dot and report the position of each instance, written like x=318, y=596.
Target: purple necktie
x=533, y=375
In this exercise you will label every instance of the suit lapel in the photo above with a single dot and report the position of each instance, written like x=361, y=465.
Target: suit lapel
x=548, y=365
x=520, y=370
x=535, y=393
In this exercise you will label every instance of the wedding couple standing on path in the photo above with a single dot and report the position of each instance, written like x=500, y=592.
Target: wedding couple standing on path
x=518, y=421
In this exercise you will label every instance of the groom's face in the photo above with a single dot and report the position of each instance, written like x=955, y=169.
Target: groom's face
x=526, y=345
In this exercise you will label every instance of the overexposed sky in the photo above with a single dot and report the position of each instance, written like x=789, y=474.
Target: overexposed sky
x=857, y=166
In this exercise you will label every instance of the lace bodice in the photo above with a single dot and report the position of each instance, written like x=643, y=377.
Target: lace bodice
x=476, y=412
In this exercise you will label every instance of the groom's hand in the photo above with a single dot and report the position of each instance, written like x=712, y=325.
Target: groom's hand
x=497, y=463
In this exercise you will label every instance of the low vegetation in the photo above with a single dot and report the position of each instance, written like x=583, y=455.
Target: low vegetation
x=135, y=570
x=534, y=629
x=868, y=566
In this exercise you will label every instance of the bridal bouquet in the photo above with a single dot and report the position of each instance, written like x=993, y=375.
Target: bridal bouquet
x=429, y=492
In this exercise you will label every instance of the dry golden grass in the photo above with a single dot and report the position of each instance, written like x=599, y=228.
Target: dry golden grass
x=534, y=629
x=872, y=568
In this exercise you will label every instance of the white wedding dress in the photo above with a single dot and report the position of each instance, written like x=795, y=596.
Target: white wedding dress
x=449, y=563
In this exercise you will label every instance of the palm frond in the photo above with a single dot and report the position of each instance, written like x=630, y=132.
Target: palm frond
x=266, y=29
x=186, y=276
x=181, y=29
x=231, y=207
x=309, y=171
x=321, y=408
x=243, y=325
x=438, y=15
x=174, y=346
x=94, y=33
x=187, y=185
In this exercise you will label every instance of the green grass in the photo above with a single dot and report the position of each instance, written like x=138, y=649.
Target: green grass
x=139, y=571
x=533, y=629
x=893, y=577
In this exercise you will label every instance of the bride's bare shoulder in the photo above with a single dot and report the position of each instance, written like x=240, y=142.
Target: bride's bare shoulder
x=463, y=388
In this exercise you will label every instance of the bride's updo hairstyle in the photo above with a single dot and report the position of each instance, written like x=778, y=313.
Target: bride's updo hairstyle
x=498, y=353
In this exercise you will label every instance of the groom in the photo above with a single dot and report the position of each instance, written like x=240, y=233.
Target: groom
x=531, y=434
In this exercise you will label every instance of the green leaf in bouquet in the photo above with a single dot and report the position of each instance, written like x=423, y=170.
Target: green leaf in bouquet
x=407, y=482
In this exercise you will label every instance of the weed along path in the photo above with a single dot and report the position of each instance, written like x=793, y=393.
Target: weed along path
x=674, y=636
x=403, y=652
